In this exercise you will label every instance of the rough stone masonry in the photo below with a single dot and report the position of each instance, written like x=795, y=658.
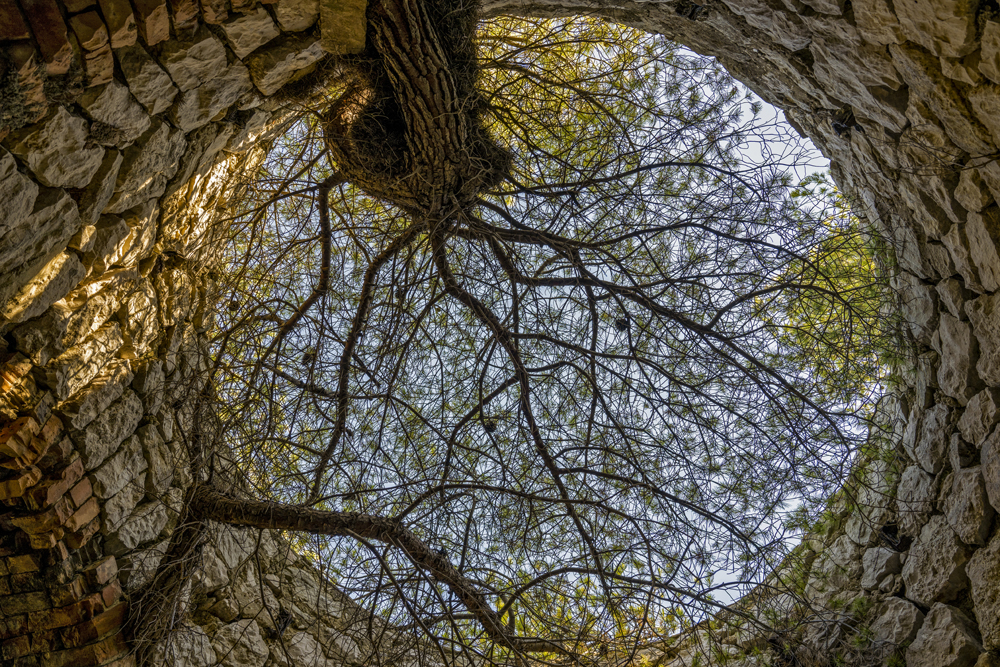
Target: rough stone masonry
x=121, y=123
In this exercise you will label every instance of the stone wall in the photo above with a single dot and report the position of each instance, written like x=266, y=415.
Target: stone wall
x=122, y=127
x=123, y=130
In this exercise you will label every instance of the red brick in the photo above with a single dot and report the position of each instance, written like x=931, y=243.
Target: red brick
x=67, y=594
x=13, y=626
x=54, y=488
x=24, y=603
x=26, y=583
x=44, y=641
x=16, y=487
x=45, y=540
x=214, y=11
x=120, y=20
x=16, y=436
x=15, y=648
x=51, y=431
x=111, y=593
x=84, y=515
x=153, y=19
x=61, y=617
x=57, y=554
x=14, y=366
x=12, y=27
x=81, y=492
x=89, y=30
x=24, y=563
x=55, y=517
x=82, y=536
x=98, y=627
x=184, y=13
x=93, y=654
x=50, y=34
x=102, y=571
x=57, y=454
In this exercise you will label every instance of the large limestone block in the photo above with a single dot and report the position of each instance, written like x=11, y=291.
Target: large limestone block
x=984, y=578
x=95, y=398
x=877, y=22
x=278, y=64
x=957, y=243
x=58, y=150
x=985, y=103
x=968, y=508
x=212, y=574
x=142, y=527
x=983, y=230
x=935, y=568
x=109, y=232
x=972, y=192
x=117, y=509
x=139, y=329
x=147, y=167
x=296, y=15
x=947, y=638
x=122, y=468
x=74, y=317
x=922, y=73
x=68, y=373
x=108, y=430
x=52, y=283
x=97, y=195
x=303, y=649
x=197, y=107
x=944, y=27
x=878, y=563
x=17, y=193
x=148, y=82
x=174, y=290
x=952, y=296
x=957, y=374
x=122, y=119
x=920, y=307
x=240, y=644
x=160, y=460
x=980, y=416
x=343, y=25
x=249, y=32
x=142, y=223
x=186, y=646
x=194, y=62
x=930, y=450
x=984, y=313
x=990, y=457
x=915, y=499
x=989, y=57
x=898, y=623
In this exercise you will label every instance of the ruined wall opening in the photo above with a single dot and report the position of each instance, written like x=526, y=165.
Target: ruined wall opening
x=123, y=125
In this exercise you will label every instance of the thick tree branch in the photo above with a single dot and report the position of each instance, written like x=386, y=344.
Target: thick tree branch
x=209, y=503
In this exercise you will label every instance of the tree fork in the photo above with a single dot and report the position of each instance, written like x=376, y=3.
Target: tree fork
x=407, y=130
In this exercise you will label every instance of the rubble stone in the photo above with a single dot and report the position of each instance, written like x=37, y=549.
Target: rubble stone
x=947, y=638
x=57, y=150
x=935, y=567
